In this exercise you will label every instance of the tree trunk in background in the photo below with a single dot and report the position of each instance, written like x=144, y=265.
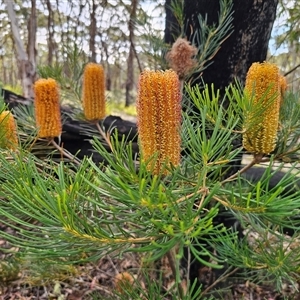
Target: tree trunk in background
x=32, y=28
x=26, y=61
x=248, y=43
x=253, y=21
x=172, y=27
x=130, y=67
x=50, y=40
x=108, y=79
x=93, y=31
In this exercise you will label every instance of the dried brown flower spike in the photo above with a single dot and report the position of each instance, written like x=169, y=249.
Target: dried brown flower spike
x=181, y=57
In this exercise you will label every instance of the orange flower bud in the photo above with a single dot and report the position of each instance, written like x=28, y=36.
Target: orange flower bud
x=93, y=92
x=47, y=108
x=262, y=88
x=8, y=132
x=124, y=281
x=159, y=118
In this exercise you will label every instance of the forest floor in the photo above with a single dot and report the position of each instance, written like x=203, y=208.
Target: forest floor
x=31, y=280
x=97, y=281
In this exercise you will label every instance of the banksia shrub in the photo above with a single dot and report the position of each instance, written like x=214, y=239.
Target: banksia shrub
x=47, y=108
x=8, y=131
x=93, y=92
x=262, y=89
x=159, y=118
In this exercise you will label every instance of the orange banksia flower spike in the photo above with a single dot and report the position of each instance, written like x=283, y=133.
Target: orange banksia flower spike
x=8, y=131
x=93, y=92
x=159, y=118
x=47, y=108
x=262, y=88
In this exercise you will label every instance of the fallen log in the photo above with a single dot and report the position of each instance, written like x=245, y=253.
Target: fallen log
x=77, y=134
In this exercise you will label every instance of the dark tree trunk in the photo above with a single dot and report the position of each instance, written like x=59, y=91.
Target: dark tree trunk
x=172, y=26
x=252, y=21
x=248, y=43
x=252, y=25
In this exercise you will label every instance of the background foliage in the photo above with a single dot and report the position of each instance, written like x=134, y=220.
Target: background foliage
x=68, y=24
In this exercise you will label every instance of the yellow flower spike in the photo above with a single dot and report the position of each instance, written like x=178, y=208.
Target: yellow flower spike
x=93, y=92
x=159, y=118
x=8, y=131
x=47, y=108
x=263, y=89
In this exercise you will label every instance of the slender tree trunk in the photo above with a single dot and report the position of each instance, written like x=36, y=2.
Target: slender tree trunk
x=50, y=41
x=130, y=60
x=26, y=62
x=4, y=72
x=32, y=28
x=252, y=20
x=93, y=31
x=107, y=67
x=62, y=34
x=69, y=24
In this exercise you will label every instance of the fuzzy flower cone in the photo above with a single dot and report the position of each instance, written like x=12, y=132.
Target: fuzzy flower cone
x=159, y=119
x=262, y=88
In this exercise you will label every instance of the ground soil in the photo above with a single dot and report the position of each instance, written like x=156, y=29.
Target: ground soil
x=100, y=280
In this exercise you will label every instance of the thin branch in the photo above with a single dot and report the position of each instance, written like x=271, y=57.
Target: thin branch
x=189, y=260
x=174, y=267
x=105, y=136
x=292, y=70
x=136, y=56
x=256, y=159
x=65, y=153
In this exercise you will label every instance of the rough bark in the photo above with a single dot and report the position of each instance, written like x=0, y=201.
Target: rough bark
x=26, y=65
x=252, y=21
